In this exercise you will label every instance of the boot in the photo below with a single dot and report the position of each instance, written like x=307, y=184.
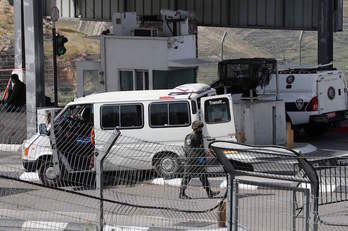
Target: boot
x=183, y=195
x=212, y=194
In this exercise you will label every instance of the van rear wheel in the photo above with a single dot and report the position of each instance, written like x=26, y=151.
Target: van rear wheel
x=167, y=166
x=47, y=174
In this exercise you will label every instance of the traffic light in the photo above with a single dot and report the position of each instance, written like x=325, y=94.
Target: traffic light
x=60, y=40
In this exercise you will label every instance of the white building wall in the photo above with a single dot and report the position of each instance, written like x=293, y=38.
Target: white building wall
x=182, y=47
x=122, y=53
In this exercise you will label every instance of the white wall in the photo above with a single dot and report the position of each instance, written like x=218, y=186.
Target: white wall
x=142, y=53
x=182, y=47
x=132, y=53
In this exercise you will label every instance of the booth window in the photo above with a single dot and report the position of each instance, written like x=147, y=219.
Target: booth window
x=173, y=78
x=126, y=80
x=134, y=80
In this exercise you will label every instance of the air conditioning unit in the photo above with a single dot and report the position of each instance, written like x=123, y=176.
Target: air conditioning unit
x=146, y=32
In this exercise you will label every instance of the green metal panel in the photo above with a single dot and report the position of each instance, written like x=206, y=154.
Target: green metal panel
x=275, y=14
x=114, y=6
x=271, y=14
x=156, y=6
x=90, y=8
x=98, y=10
x=106, y=9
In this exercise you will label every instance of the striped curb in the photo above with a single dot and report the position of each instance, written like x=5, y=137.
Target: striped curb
x=131, y=228
x=58, y=226
x=44, y=225
x=10, y=147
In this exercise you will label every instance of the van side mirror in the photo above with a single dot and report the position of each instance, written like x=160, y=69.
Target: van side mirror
x=43, y=129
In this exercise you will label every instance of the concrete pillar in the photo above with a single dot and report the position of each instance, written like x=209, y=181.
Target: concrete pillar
x=34, y=61
x=18, y=34
x=325, y=32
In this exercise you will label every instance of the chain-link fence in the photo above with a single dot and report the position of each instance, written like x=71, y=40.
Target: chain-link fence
x=71, y=174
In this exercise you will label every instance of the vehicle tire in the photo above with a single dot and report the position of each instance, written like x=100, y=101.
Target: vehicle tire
x=316, y=129
x=47, y=174
x=167, y=166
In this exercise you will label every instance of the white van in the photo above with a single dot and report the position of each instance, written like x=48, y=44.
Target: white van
x=163, y=116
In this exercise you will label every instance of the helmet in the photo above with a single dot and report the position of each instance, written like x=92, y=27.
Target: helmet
x=197, y=124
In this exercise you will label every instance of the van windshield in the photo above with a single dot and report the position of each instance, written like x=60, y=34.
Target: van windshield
x=217, y=111
x=82, y=112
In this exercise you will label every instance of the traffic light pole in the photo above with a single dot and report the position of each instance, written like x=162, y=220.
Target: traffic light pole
x=55, y=64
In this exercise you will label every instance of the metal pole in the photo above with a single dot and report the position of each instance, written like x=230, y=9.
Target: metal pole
x=229, y=206
x=306, y=210
x=274, y=125
x=54, y=40
x=235, y=206
x=314, y=213
x=301, y=37
x=53, y=141
x=277, y=82
x=222, y=45
x=325, y=33
x=293, y=210
x=99, y=186
x=99, y=162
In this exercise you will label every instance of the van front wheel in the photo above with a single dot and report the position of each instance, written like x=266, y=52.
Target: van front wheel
x=167, y=166
x=47, y=174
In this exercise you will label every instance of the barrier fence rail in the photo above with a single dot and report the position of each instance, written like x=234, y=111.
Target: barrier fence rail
x=80, y=176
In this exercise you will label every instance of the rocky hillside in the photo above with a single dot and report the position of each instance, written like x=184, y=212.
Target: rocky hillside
x=280, y=44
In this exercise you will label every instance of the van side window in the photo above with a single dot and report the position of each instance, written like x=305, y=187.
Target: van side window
x=170, y=114
x=122, y=116
x=110, y=116
x=217, y=111
x=159, y=114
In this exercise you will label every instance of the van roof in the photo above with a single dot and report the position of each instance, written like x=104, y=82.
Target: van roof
x=181, y=92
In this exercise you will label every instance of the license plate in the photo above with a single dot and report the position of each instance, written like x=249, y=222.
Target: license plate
x=331, y=115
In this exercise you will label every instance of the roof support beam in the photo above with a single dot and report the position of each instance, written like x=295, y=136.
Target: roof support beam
x=34, y=61
x=325, y=32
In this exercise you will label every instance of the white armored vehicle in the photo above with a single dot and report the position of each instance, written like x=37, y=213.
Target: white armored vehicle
x=314, y=98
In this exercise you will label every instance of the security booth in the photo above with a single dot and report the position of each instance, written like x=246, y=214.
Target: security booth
x=142, y=56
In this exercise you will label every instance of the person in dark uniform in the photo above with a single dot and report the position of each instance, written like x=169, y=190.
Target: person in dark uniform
x=17, y=95
x=195, y=161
